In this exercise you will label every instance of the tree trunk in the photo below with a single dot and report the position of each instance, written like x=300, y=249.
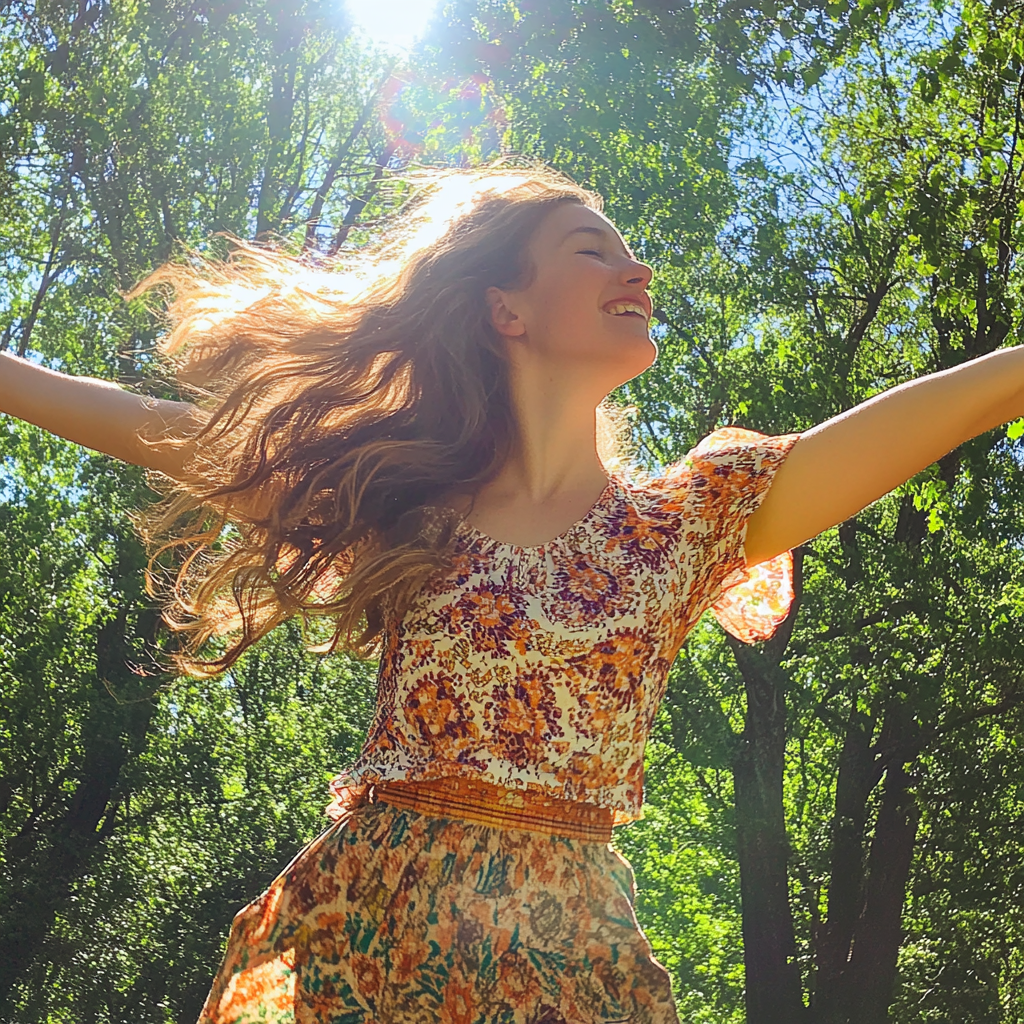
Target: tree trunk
x=50, y=855
x=280, y=108
x=773, y=989
x=856, y=958
x=358, y=204
x=876, y=944
x=846, y=885
x=339, y=158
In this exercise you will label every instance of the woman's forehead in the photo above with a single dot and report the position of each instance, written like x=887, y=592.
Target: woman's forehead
x=572, y=220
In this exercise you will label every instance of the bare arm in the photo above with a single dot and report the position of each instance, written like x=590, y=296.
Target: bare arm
x=95, y=413
x=849, y=461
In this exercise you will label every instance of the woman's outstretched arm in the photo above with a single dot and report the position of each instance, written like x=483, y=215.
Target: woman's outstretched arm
x=96, y=413
x=844, y=464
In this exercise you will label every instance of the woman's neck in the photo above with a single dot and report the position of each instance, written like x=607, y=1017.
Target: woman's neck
x=553, y=476
x=555, y=451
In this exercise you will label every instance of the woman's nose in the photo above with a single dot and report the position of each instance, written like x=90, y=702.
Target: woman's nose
x=638, y=273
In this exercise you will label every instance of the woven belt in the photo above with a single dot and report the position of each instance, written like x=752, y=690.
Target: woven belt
x=497, y=807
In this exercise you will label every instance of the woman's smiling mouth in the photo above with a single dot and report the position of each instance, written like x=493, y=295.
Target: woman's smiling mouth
x=626, y=307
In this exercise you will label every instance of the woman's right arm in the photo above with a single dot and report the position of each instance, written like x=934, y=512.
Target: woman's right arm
x=97, y=414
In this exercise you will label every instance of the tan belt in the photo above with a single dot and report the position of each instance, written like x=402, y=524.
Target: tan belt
x=497, y=807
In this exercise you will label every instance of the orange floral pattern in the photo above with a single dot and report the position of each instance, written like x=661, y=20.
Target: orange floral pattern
x=534, y=669
x=542, y=668
x=394, y=917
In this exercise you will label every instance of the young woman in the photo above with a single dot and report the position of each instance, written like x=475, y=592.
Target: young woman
x=416, y=447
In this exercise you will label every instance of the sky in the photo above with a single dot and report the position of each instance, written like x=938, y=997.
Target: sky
x=392, y=23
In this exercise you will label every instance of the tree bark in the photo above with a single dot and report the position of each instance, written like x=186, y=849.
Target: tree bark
x=879, y=932
x=846, y=882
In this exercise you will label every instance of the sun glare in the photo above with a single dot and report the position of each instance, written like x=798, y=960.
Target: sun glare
x=396, y=24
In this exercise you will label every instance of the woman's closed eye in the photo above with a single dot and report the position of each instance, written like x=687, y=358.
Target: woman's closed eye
x=590, y=252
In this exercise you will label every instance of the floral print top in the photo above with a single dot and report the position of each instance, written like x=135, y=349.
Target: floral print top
x=541, y=668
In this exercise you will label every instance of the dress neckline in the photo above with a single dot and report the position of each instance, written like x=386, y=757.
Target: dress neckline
x=592, y=513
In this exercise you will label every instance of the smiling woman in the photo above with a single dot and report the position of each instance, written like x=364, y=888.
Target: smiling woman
x=419, y=457
x=411, y=444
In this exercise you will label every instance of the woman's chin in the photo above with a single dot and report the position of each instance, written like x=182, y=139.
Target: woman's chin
x=635, y=358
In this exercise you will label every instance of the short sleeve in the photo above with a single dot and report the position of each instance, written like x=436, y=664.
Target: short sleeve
x=722, y=482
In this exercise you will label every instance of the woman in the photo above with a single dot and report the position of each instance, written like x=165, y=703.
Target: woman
x=417, y=449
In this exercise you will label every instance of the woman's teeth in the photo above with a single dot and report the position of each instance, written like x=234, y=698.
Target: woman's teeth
x=622, y=308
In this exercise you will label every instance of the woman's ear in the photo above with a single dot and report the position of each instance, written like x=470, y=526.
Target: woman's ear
x=506, y=323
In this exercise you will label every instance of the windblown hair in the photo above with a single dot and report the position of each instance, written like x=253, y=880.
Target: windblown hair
x=338, y=409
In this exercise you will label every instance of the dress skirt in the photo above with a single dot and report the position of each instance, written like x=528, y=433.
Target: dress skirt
x=391, y=916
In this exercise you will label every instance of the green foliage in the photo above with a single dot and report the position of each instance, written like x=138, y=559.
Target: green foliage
x=829, y=195
x=139, y=812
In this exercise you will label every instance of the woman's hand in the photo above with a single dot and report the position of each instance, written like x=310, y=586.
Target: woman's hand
x=844, y=464
x=97, y=414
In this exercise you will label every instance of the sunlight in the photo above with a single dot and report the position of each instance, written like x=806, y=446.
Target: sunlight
x=395, y=24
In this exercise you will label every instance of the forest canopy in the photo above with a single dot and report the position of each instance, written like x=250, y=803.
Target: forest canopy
x=830, y=195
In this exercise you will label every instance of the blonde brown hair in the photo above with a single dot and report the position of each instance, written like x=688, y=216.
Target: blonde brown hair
x=339, y=407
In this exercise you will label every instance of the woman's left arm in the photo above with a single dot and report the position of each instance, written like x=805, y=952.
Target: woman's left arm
x=842, y=465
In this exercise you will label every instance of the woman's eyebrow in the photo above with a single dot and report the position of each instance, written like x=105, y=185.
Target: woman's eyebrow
x=600, y=232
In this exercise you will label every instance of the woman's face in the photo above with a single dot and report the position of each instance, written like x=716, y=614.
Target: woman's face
x=586, y=310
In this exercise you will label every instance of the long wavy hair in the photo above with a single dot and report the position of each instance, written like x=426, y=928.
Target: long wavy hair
x=338, y=408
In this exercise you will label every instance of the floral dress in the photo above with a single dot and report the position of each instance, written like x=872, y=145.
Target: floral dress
x=536, y=669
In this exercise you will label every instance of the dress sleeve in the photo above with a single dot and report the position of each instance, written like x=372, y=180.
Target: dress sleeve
x=721, y=483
